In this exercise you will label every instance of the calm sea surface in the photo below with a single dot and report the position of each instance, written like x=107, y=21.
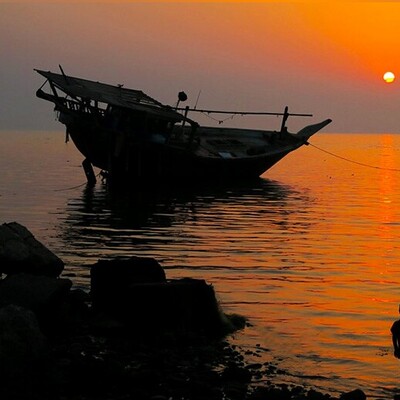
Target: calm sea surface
x=310, y=254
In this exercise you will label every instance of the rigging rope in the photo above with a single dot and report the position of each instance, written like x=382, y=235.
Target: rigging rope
x=352, y=161
x=220, y=121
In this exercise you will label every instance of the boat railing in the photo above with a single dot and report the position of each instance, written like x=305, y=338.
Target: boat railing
x=285, y=114
x=83, y=107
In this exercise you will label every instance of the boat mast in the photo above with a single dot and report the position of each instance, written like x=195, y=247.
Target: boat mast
x=284, y=119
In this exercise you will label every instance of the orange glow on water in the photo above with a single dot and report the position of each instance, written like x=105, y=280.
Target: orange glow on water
x=310, y=256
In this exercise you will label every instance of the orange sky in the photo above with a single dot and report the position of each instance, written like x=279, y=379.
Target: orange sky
x=323, y=57
x=365, y=33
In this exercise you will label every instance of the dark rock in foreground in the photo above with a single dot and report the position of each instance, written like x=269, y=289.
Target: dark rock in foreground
x=22, y=344
x=37, y=293
x=357, y=394
x=113, y=276
x=42, y=295
x=159, y=338
x=24, y=353
x=136, y=292
x=21, y=252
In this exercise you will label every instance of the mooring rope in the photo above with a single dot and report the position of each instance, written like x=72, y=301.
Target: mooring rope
x=352, y=161
x=70, y=188
x=74, y=187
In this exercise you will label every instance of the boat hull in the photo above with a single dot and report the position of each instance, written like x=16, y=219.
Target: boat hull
x=148, y=160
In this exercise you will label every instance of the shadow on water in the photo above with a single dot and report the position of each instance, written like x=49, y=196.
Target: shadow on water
x=160, y=219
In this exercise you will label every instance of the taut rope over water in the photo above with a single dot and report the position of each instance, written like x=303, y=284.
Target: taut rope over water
x=352, y=161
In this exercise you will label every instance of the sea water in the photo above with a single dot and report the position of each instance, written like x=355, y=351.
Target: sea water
x=309, y=254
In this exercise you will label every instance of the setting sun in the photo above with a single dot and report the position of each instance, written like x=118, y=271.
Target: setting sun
x=389, y=77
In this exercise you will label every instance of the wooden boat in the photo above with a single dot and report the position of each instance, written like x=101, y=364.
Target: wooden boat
x=131, y=136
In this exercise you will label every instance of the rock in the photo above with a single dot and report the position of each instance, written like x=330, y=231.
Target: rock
x=72, y=313
x=128, y=270
x=254, y=366
x=41, y=294
x=111, y=280
x=357, y=394
x=236, y=374
x=79, y=297
x=314, y=395
x=21, y=252
x=109, y=277
x=273, y=393
x=23, y=352
x=183, y=305
x=103, y=324
x=21, y=340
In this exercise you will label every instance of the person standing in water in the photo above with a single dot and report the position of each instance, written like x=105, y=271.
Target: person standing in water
x=395, y=329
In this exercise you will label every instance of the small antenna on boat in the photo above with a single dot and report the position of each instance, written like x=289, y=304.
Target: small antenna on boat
x=197, y=100
x=284, y=119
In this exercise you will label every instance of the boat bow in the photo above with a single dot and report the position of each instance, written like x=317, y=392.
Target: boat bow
x=305, y=133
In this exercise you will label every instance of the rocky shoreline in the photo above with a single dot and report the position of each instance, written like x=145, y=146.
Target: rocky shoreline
x=136, y=335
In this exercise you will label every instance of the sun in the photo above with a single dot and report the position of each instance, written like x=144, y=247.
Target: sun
x=389, y=77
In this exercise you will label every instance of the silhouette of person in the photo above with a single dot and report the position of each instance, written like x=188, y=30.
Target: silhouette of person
x=395, y=329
